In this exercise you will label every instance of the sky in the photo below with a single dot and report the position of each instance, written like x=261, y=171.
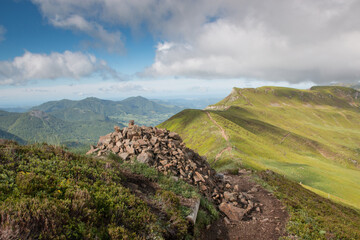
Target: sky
x=113, y=49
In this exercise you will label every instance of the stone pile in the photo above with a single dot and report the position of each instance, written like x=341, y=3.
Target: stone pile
x=166, y=152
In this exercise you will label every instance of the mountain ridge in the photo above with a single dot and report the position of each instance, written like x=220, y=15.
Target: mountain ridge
x=311, y=136
x=93, y=108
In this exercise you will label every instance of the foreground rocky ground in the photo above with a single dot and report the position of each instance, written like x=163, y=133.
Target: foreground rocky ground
x=268, y=223
x=247, y=209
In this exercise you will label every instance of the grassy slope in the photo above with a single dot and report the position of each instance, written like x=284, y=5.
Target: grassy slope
x=48, y=193
x=311, y=216
x=310, y=136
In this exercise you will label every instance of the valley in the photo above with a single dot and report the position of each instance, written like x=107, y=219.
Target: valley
x=76, y=124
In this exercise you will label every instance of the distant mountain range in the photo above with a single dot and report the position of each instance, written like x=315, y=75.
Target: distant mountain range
x=310, y=136
x=90, y=109
x=79, y=122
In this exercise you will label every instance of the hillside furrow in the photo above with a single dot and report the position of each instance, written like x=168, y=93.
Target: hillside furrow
x=223, y=134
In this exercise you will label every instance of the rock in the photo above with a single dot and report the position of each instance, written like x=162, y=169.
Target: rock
x=234, y=214
x=153, y=140
x=91, y=151
x=182, y=173
x=115, y=149
x=175, y=178
x=229, y=196
x=227, y=221
x=247, y=196
x=105, y=140
x=174, y=135
x=236, y=188
x=131, y=123
x=130, y=149
x=193, y=165
x=220, y=176
x=253, y=189
x=164, y=162
x=117, y=129
x=124, y=155
x=198, y=177
x=141, y=142
x=145, y=157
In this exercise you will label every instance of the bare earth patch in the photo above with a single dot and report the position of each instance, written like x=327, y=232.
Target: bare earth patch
x=268, y=223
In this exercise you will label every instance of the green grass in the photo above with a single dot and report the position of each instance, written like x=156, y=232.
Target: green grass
x=310, y=136
x=49, y=193
x=311, y=216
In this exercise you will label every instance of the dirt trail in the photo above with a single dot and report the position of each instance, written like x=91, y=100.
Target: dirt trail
x=268, y=224
x=222, y=151
x=223, y=134
x=218, y=125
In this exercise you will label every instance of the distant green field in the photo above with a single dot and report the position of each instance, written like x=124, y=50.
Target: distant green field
x=310, y=136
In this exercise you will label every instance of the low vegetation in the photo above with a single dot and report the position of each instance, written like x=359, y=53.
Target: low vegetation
x=49, y=193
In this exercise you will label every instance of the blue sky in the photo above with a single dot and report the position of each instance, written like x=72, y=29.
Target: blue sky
x=112, y=49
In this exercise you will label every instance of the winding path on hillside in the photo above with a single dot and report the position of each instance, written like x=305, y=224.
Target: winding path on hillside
x=224, y=135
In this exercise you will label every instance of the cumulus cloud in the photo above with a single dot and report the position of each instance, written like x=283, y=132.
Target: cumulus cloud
x=277, y=40
x=2, y=33
x=111, y=40
x=31, y=66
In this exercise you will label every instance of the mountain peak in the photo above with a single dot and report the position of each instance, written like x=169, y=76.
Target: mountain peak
x=335, y=96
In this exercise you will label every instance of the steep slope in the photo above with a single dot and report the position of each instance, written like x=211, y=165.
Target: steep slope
x=7, y=135
x=311, y=136
x=138, y=108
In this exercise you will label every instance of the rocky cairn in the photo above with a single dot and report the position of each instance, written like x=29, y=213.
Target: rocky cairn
x=167, y=152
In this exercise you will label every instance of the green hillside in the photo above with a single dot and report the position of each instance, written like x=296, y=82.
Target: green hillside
x=7, y=135
x=140, y=109
x=310, y=136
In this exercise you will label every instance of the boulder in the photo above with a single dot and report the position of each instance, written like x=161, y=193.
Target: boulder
x=145, y=157
x=229, y=196
x=124, y=156
x=235, y=214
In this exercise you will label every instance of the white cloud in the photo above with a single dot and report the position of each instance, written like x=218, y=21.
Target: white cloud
x=112, y=40
x=2, y=33
x=33, y=66
x=225, y=50
x=277, y=40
